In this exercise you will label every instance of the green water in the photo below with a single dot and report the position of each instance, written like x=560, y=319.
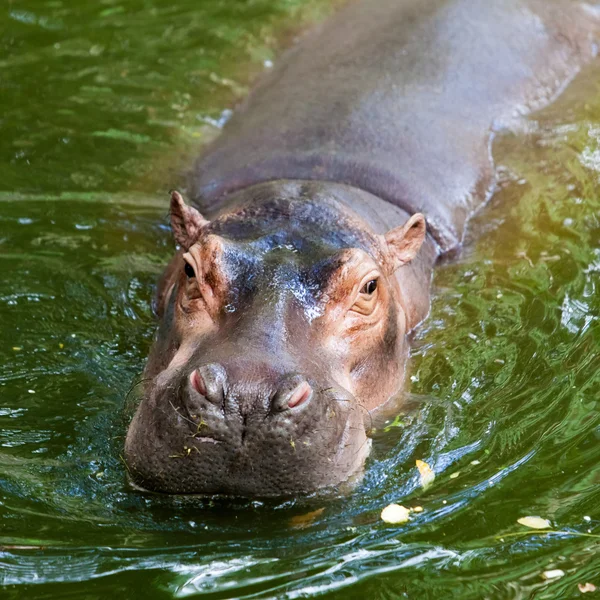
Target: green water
x=102, y=104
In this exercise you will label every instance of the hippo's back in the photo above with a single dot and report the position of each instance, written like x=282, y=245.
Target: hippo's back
x=399, y=98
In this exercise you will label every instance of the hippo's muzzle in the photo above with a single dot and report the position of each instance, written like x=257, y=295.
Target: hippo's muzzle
x=244, y=429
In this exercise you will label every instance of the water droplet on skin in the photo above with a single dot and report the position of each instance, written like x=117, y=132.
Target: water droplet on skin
x=229, y=308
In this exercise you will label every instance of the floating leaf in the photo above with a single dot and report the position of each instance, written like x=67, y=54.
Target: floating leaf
x=397, y=422
x=553, y=574
x=534, y=522
x=426, y=472
x=395, y=514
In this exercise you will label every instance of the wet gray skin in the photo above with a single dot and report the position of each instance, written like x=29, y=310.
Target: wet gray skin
x=240, y=435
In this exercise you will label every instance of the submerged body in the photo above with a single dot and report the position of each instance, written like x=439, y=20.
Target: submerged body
x=305, y=262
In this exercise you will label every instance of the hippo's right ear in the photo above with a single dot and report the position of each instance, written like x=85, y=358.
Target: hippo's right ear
x=186, y=221
x=405, y=241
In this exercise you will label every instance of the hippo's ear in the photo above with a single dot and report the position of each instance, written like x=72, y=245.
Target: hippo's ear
x=404, y=242
x=186, y=221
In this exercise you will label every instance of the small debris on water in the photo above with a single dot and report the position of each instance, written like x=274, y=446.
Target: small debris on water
x=418, y=509
x=547, y=258
x=397, y=422
x=17, y=348
x=475, y=462
x=426, y=473
x=553, y=574
x=584, y=588
x=31, y=391
x=534, y=522
x=395, y=514
x=586, y=518
x=455, y=475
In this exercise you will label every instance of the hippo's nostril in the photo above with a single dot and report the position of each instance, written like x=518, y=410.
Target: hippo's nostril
x=209, y=381
x=292, y=394
x=300, y=394
x=197, y=382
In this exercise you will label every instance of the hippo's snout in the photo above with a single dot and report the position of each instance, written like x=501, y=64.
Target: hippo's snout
x=244, y=429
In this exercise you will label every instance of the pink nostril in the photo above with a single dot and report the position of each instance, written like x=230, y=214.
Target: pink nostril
x=300, y=395
x=198, y=383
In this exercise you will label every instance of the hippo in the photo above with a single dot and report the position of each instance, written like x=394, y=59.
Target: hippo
x=306, y=250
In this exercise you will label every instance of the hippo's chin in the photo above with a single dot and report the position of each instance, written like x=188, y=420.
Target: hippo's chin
x=187, y=444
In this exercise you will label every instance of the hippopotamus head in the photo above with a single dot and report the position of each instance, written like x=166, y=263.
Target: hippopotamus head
x=281, y=324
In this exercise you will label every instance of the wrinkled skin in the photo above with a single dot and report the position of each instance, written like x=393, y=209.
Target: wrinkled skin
x=282, y=324
x=304, y=259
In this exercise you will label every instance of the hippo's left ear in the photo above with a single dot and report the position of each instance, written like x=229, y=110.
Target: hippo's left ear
x=404, y=242
x=186, y=221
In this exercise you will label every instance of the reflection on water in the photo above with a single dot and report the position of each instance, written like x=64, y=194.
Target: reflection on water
x=101, y=103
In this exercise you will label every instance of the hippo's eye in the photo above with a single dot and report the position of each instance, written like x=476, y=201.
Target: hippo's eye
x=369, y=287
x=366, y=301
x=189, y=270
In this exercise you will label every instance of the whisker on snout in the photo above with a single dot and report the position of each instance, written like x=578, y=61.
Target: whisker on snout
x=361, y=406
x=134, y=385
x=182, y=416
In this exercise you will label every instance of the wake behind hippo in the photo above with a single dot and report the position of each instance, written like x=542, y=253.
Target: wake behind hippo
x=304, y=259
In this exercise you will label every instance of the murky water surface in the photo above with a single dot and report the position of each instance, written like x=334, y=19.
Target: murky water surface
x=101, y=106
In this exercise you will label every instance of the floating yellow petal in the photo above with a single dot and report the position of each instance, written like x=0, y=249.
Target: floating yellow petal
x=395, y=514
x=426, y=472
x=534, y=522
x=553, y=574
